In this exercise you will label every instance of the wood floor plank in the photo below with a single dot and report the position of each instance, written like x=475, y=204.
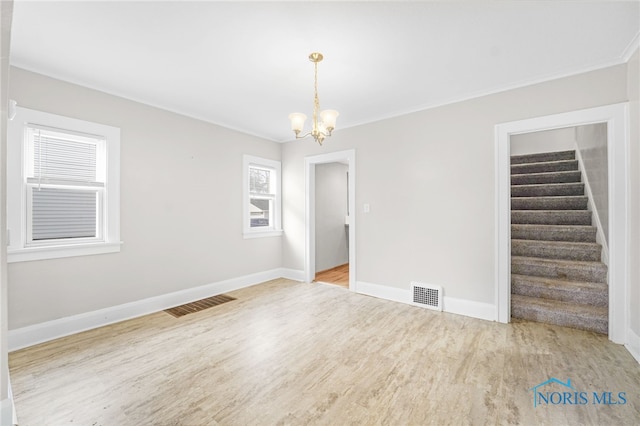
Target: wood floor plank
x=292, y=353
x=338, y=276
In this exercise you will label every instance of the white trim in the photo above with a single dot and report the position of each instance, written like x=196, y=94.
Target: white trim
x=384, y=292
x=467, y=308
x=310, y=231
x=39, y=253
x=16, y=181
x=616, y=117
x=7, y=412
x=633, y=344
x=44, y=332
x=292, y=274
x=631, y=48
x=276, y=229
x=600, y=237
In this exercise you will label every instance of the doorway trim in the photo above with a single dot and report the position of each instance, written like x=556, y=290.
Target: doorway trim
x=617, y=118
x=310, y=211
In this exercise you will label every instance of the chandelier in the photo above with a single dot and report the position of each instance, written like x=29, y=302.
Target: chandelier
x=320, y=129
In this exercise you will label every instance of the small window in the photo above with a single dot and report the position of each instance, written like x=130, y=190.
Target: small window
x=63, y=187
x=261, y=189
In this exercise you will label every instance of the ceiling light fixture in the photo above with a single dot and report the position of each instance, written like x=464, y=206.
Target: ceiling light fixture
x=320, y=129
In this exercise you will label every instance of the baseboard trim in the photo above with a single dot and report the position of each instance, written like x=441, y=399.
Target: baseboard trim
x=39, y=333
x=468, y=308
x=633, y=344
x=292, y=274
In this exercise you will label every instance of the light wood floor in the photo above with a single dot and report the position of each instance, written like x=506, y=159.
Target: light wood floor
x=291, y=353
x=338, y=276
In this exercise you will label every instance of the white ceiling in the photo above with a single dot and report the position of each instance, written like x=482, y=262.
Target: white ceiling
x=244, y=65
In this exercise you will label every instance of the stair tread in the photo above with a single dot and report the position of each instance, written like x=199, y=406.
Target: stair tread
x=526, y=259
x=599, y=312
x=577, y=244
x=522, y=158
x=562, y=283
x=554, y=211
x=555, y=184
x=553, y=197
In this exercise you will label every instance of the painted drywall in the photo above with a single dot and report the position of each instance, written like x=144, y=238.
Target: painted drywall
x=331, y=210
x=181, y=209
x=429, y=178
x=633, y=93
x=6, y=408
x=543, y=141
x=592, y=143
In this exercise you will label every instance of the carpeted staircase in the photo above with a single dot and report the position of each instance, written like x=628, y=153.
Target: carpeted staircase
x=556, y=273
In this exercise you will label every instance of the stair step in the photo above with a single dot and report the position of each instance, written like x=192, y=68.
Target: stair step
x=551, y=217
x=548, y=190
x=576, y=233
x=587, y=252
x=582, y=317
x=539, y=178
x=575, y=202
x=573, y=270
x=544, y=167
x=580, y=292
x=544, y=156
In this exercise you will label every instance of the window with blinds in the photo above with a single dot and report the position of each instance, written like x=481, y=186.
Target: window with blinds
x=65, y=183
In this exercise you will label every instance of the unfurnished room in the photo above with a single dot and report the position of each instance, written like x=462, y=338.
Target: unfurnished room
x=319, y=213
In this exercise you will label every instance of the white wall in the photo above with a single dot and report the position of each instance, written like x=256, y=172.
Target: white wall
x=543, y=141
x=331, y=209
x=429, y=178
x=6, y=13
x=592, y=144
x=181, y=209
x=633, y=93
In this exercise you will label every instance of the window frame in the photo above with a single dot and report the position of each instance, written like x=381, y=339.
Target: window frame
x=275, y=230
x=20, y=248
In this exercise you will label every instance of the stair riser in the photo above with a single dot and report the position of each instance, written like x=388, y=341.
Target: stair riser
x=583, y=235
x=552, y=190
x=557, y=166
x=545, y=156
x=551, y=218
x=583, y=297
x=549, y=203
x=547, y=251
x=542, y=178
x=598, y=325
x=592, y=273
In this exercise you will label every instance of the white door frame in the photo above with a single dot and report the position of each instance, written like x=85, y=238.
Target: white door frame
x=348, y=156
x=617, y=118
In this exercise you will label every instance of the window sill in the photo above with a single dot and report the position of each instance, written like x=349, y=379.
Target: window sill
x=262, y=234
x=55, y=252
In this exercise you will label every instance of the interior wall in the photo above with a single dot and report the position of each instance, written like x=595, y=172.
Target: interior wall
x=543, y=141
x=592, y=143
x=331, y=211
x=633, y=93
x=181, y=209
x=6, y=13
x=429, y=178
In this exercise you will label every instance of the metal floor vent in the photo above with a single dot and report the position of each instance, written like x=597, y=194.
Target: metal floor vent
x=199, y=305
x=427, y=295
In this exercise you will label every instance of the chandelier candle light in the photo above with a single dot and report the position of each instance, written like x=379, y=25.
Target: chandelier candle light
x=320, y=130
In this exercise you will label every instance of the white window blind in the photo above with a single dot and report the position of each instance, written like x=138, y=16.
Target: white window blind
x=65, y=185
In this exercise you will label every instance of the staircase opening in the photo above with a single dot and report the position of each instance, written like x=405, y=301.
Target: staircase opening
x=557, y=273
x=616, y=119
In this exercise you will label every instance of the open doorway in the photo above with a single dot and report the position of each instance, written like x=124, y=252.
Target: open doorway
x=332, y=223
x=615, y=117
x=329, y=218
